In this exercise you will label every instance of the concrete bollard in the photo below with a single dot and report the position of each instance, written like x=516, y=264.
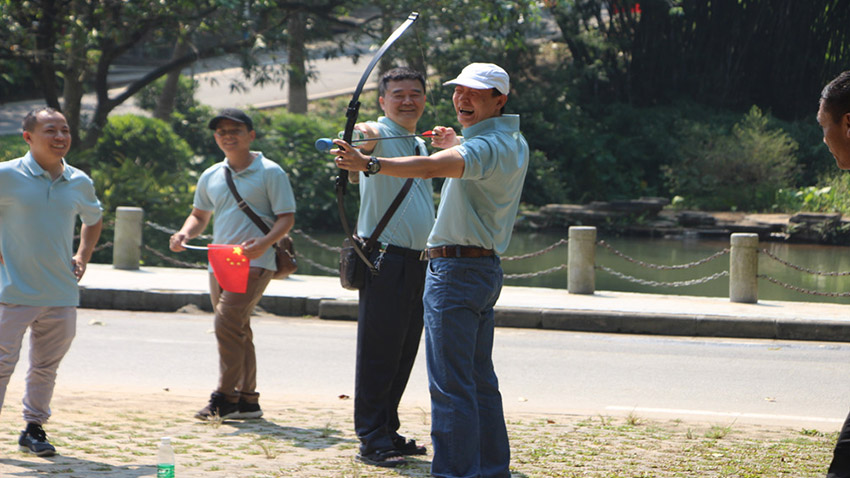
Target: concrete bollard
x=743, y=268
x=127, y=242
x=582, y=260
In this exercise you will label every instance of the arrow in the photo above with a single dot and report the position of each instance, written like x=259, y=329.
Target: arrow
x=325, y=144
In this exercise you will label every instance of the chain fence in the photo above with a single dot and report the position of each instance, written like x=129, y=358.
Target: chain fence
x=805, y=270
x=336, y=249
x=333, y=270
x=652, y=283
x=648, y=265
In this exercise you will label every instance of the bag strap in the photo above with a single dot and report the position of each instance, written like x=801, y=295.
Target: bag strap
x=243, y=205
x=373, y=238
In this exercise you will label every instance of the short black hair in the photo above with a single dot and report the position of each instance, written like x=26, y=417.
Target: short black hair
x=835, y=96
x=31, y=119
x=398, y=74
x=495, y=92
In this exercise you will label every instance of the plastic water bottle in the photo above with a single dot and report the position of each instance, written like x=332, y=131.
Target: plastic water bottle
x=356, y=135
x=165, y=459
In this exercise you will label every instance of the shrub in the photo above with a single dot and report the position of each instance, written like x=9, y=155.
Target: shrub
x=289, y=139
x=148, y=96
x=189, y=118
x=743, y=168
x=832, y=194
x=13, y=146
x=141, y=162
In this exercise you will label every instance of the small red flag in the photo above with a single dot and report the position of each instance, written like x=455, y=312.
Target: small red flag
x=230, y=267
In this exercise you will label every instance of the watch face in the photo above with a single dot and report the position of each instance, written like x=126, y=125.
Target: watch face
x=373, y=166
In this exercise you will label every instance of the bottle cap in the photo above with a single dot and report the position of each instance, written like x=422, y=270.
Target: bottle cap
x=324, y=144
x=166, y=440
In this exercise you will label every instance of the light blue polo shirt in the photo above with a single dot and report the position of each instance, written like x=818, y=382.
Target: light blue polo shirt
x=412, y=221
x=479, y=208
x=37, y=219
x=263, y=185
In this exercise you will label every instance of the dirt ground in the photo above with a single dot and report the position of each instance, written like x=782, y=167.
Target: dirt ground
x=116, y=434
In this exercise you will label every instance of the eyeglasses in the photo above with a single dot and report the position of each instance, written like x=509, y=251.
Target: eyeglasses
x=230, y=132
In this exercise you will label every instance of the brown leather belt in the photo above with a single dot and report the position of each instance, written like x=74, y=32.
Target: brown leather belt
x=456, y=251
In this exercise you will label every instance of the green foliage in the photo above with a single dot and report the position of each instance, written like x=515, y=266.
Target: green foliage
x=191, y=125
x=832, y=194
x=189, y=118
x=146, y=142
x=148, y=96
x=813, y=157
x=140, y=162
x=542, y=183
x=706, y=50
x=12, y=146
x=740, y=169
x=16, y=81
x=288, y=139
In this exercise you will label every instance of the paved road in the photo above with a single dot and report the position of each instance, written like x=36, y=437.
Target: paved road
x=717, y=381
x=334, y=76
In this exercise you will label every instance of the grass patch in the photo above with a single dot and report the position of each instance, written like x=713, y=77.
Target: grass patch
x=319, y=442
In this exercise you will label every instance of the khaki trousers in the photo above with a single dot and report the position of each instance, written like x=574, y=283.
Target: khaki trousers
x=237, y=360
x=52, y=330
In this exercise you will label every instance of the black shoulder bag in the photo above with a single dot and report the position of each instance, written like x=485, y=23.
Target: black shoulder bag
x=352, y=269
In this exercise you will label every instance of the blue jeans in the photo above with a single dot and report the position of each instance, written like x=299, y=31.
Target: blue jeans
x=468, y=430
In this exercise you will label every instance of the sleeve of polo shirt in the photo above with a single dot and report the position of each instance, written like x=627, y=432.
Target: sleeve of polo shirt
x=5, y=176
x=281, y=197
x=202, y=200
x=479, y=159
x=89, y=209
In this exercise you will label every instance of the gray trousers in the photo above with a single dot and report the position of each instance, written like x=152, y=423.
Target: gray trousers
x=52, y=330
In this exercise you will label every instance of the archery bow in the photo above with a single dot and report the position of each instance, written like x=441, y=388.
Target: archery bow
x=351, y=119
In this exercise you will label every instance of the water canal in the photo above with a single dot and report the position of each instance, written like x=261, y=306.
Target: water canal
x=671, y=251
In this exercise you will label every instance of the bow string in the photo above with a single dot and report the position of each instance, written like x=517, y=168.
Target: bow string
x=351, y=119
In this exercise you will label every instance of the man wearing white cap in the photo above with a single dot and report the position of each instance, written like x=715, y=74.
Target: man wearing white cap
x=486, y=170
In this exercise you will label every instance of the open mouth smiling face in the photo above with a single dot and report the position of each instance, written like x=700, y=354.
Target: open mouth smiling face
x=473, y=106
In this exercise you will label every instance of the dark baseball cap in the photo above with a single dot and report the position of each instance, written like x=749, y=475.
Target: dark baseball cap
x=232, y=114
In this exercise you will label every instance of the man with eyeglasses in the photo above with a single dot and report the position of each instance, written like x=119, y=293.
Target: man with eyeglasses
x=265, y=187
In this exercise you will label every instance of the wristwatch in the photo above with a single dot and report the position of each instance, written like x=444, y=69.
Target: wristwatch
x=373, y=166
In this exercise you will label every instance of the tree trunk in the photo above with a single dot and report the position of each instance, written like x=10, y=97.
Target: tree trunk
x=44, y=67
x=75, y=77
x=165, y=102
x=297, y=102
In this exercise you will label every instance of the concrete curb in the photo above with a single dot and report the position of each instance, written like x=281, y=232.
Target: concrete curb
x=620, y=322
x=171, y=301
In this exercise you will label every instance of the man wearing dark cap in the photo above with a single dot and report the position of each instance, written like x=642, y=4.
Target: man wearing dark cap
x=265, y=188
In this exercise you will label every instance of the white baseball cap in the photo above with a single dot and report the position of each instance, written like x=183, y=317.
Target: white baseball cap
x=483, y=76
